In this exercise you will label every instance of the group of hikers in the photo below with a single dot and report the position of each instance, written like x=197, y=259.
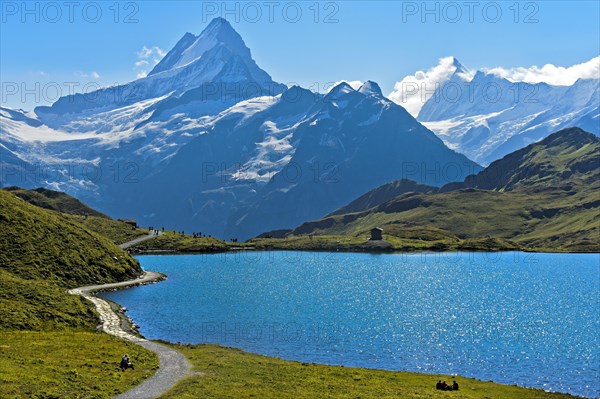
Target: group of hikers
x=155, y=231
x=442, y=386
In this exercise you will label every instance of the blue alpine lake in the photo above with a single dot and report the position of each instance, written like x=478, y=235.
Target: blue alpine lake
x=529, y=319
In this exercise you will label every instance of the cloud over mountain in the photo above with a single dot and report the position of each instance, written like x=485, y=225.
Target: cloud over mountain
x=148, y=57
x=414, y=90
x=549, y=73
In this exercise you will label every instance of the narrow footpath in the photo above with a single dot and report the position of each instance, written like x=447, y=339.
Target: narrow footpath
x=173, y=365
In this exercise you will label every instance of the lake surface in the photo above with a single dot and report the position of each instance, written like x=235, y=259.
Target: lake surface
x=516, y=318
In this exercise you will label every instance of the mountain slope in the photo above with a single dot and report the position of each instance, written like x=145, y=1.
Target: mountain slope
x=90, y=145
x=352, y=141
x=36, y=243
x=43, y=252
x=383, y=194
x=543, y=196
x=568, y=157
x=272, y=162
x=55, y=200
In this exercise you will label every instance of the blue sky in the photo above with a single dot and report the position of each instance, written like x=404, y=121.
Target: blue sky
x=351, y=40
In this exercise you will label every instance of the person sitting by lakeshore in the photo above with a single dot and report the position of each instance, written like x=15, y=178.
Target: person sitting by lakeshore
x=454, y=386
x=125, y=363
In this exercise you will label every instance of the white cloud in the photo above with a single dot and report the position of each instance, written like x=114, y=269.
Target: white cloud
x=149, y=52
x=549, y=73
x=414, y=90
x=148, y=57
x=92, y=75
x=355, y=84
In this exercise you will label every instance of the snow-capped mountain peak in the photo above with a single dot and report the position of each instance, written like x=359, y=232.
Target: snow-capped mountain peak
x=461, y=73
x=486, y=116
x=190, y=47
x=457, y=64
x=217, y=60
x=369, y=88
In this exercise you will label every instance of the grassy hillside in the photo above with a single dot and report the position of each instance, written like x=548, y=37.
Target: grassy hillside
x=119, y=232
x=40, y=305
x=566, y=158
x=50, y=347
x=55, y=200
x=39, y=244
x=543, y=197
x=42, y=253
x=226, y=373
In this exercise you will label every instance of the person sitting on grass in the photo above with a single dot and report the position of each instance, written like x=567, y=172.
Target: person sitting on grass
x=438, y=386
x=125, y=363
x=454, y=386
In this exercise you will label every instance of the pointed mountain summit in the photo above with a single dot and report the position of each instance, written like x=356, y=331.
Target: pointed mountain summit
x=460, y=68
x=340, y=90
x=195, y=62
x=190, y=47
x=370, y=87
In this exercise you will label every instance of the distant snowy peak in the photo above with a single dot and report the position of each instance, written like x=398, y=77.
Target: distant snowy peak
x=369, y=88
x=460, y=70
x=190, y=48
x=343, y=89
x=486, y=116
x=339, y=91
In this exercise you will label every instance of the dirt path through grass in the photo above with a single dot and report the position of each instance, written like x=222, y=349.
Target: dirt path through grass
x=140, y=239
x=173, y=365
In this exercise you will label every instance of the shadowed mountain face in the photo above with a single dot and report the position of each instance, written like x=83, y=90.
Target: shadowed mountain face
x=543, y=196
x=299, y=157
x=569, y=156
x=351, y=140
x=383, y=194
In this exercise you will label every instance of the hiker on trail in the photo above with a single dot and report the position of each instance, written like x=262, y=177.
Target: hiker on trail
x=125, y=363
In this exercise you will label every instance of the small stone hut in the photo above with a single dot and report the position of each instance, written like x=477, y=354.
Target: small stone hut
x=376, y=234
